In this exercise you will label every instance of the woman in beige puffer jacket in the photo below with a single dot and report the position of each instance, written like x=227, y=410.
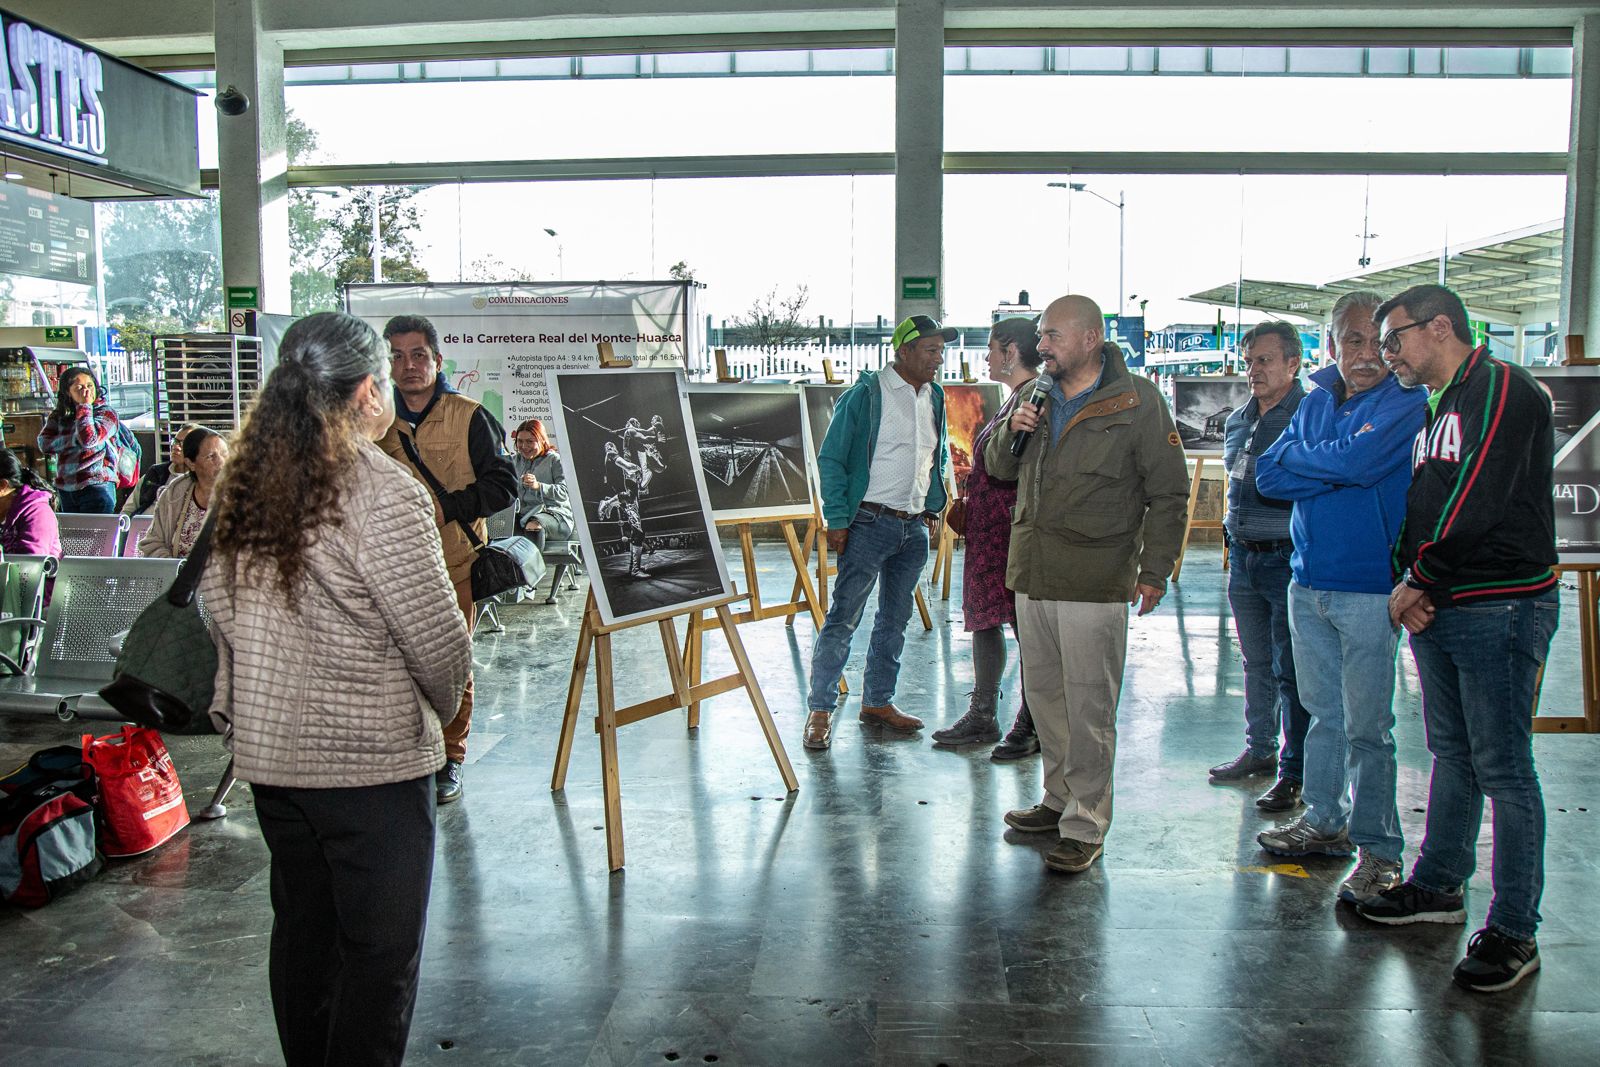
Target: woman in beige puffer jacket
x=341, y=653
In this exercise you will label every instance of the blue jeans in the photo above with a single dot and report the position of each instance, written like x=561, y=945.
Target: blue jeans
x=1344, y=656
x=1478, y=664
x=99, y=499
x=1258, y=593
x=879, y=548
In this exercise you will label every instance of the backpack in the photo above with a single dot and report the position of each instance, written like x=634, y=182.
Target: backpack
x=128, y=454
x=47, y=828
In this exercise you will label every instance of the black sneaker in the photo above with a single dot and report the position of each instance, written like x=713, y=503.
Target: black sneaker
x=1035, y=820
x=1409, y=903
x=447, y=782
x=1496, y=961
x=1020, y=742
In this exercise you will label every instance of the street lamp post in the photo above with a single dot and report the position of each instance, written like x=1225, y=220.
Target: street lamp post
x=1121, y=204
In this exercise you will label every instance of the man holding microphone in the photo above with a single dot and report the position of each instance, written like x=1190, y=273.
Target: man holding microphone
x=1102, y=494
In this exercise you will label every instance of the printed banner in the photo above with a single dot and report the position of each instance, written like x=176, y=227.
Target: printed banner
x=499, y=340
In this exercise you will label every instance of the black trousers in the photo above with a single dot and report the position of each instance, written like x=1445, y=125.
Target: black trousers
x=350, y=875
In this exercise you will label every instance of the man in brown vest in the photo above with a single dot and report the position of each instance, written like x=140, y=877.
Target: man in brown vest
x=463, y=448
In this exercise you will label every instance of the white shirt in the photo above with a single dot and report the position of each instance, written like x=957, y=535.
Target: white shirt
x=902, y=461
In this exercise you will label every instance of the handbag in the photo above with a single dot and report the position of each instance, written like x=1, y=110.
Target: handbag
x=955, y=516
x=495, y=570
x=141, y=800
x=167, y=670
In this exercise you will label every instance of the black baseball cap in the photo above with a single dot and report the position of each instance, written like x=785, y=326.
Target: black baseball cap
x=918, y=326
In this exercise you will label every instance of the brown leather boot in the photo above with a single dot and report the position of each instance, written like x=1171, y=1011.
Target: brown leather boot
x=819, y=730
x=890, y=718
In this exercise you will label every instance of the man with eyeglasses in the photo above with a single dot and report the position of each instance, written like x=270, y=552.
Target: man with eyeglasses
x=463, y=448
x=1345, y=461
x=1477, y=593
x=1257, y=528
x=1102, y=498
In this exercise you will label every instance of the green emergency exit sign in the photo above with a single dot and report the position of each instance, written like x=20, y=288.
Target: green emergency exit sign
x=58, y=335
x=243, y=297
x=913, y=288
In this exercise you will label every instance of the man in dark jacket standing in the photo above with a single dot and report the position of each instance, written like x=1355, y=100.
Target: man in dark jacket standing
x=1345, y=461
x=1477, y=593
x=463, y=448
x=1258, y=579
x=1102, y=494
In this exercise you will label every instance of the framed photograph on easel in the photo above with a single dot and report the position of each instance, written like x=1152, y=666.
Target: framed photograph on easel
x=755, y=449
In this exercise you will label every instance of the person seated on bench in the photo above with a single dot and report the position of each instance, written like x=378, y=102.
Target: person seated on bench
x=28, y=525
x=144, y=495
x=181, y=507
x=341, y=651
x=544, y=511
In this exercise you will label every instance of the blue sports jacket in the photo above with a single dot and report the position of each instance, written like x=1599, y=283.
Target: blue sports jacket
x=1346, y=464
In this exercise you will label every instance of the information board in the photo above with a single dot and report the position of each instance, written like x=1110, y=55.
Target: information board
x=46, y=236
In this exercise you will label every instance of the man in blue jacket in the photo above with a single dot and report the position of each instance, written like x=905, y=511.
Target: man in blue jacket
x=1345, y=461
x=882, y=468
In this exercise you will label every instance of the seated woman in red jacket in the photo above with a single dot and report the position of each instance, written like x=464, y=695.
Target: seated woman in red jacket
x=28, y=524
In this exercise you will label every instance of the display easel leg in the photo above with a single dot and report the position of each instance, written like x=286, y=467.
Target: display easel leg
x=1588, y=618
x=769, y=728
x=922, y=609
x=694, y=645
x=802, y=581
x=747, y=549
x=611, y=780
x=801, y=567
x=947, y=545
x=1188, y=520
x=569, y=719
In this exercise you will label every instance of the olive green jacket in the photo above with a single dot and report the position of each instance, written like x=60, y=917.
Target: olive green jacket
x=1104, y=507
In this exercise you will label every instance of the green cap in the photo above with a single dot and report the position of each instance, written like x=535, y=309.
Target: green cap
x=918, y=326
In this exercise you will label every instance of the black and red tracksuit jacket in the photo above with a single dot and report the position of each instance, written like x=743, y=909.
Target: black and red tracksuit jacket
x=1480, y=514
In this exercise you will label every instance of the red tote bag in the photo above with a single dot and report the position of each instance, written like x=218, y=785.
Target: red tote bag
x=141, y=800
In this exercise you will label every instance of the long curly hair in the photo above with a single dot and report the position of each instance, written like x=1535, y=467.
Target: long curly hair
x=289, y=458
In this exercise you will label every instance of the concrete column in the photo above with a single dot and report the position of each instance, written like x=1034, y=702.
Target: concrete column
x=919, y=152
x=253, y=160
x=1580, y=301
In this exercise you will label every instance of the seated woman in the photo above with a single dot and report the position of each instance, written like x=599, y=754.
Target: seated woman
x=181, y=508
x=144, y=495
x=28, y=525
x=544, y=511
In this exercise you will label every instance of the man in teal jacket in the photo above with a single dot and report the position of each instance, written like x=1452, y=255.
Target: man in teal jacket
x=882, y=468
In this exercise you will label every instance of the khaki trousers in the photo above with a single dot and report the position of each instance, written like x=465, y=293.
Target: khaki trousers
x=455, y=733
x=1072, y=657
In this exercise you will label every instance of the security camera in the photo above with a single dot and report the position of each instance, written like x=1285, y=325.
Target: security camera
x=232, y=102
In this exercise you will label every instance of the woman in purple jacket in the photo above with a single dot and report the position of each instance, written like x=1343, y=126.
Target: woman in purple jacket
x=28, y=524
x=987, y=606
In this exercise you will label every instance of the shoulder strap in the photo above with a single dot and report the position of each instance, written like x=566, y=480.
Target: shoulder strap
x=433, y=483
x=188, y=579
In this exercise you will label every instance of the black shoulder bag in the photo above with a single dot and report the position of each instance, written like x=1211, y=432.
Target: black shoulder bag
x=166, y=672
x=495, y=571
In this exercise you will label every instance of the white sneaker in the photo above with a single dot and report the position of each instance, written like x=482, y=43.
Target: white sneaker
x=1370, y=878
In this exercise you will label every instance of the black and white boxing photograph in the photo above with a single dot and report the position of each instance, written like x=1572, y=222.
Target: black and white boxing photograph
x=644, y=517
x=753, y=449
x=1201, y=405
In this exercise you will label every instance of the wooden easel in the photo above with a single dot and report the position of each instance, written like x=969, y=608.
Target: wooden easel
x=1588, y=576
x=723, y=375
x=1190, y=523
x=944, y=560
x=595, y=637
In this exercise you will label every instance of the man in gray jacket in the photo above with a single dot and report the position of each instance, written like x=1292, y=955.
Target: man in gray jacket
x=1102, y=495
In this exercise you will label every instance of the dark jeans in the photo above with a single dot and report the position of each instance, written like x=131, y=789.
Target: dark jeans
x=98, y=499
x=1478, y=664
x=1258, y=592
x=350, y=876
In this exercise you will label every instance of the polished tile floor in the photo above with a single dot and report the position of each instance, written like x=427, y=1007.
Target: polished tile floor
x=878, y=916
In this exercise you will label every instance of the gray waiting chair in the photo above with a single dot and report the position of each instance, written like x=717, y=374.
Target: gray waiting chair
x=138, y=525
x=91, y=535
x=567, y=557
x=34, y=574
x=93, y=604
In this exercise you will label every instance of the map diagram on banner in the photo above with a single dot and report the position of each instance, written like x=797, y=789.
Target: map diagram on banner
x=1575, y=402
x=499, y=340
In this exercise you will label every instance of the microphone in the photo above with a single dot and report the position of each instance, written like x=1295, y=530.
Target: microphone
x=1041, y=389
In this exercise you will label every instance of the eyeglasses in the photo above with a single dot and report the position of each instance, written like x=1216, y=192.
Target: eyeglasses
x=1391, y=340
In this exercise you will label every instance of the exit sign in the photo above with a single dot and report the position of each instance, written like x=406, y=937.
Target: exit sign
x=246, y=297
x=912, y=288
x=58, y=335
